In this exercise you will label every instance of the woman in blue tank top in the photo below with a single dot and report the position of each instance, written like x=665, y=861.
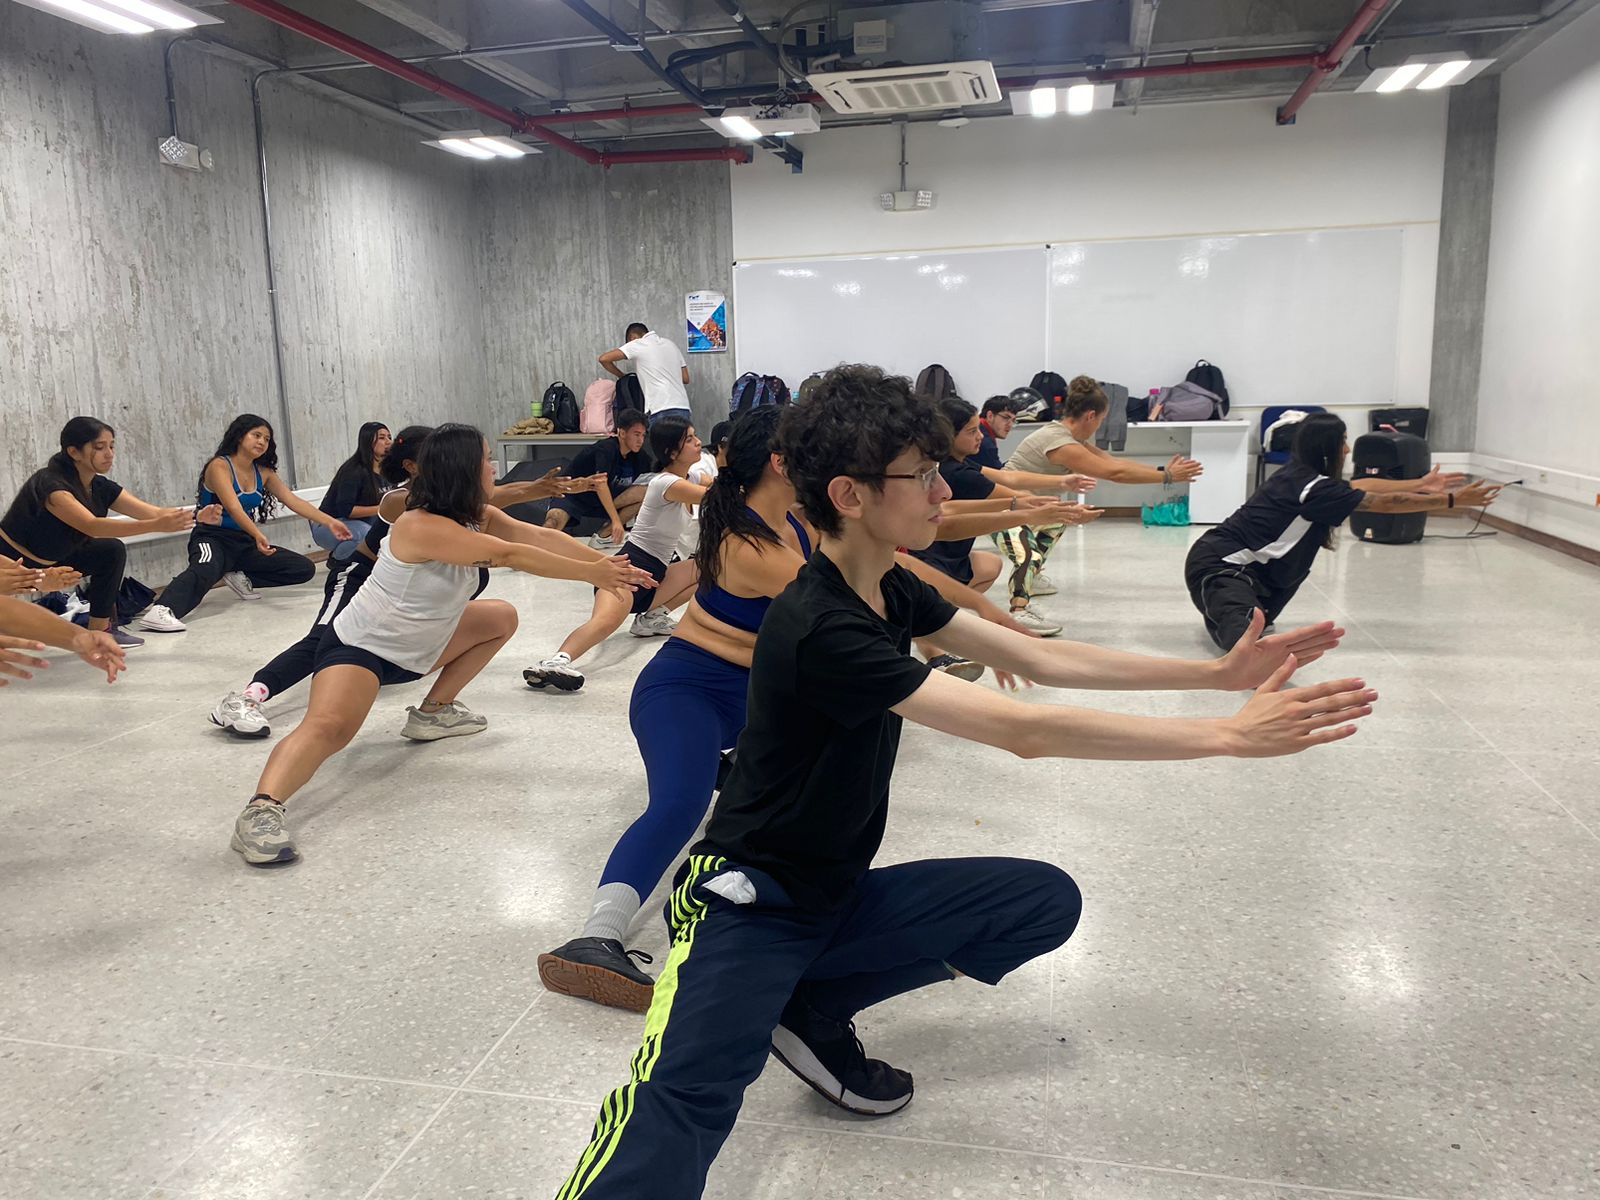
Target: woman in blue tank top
x=242, y=476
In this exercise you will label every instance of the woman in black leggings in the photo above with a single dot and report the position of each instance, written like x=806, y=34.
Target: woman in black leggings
x=57, y=526
x=242, y=476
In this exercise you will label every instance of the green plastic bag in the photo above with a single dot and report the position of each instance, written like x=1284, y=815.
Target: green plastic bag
x=1168, y=512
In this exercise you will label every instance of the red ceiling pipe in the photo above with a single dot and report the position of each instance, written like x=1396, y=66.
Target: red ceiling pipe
x=638, y=112
x=738, y=154
x=1369, y=12
x=1275, y=62
x=329, y=36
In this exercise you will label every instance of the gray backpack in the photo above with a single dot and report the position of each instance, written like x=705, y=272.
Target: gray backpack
x=1189, y=402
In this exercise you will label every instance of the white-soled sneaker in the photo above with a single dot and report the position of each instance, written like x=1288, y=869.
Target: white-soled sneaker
x=1041, y=585
x=241, y=586
x=158, y=618
x=556, y=671
x=452, y=720
x=655, y=623
x=261, y=834
x=241, y=716
x=609, y=545
x=1032, y=619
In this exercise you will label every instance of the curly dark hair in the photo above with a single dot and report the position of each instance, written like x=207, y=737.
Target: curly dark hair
x=857, y=422
x=229, y=446
x=449, y=480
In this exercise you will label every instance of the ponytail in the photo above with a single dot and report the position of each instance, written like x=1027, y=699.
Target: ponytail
x=725, y=511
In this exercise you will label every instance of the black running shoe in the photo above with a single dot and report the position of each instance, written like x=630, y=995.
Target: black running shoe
x=828, y=1055
x=598, y=969
x=960, y=668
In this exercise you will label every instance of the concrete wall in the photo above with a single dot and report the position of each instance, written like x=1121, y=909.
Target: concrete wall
x=1536, y=419
x=572, y=255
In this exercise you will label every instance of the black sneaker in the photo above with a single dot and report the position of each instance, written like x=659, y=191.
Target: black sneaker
x=828, y=1055
x=598, y=969
x=961, y=668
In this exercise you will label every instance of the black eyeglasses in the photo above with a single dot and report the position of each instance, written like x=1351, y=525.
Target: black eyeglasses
x=925, y=478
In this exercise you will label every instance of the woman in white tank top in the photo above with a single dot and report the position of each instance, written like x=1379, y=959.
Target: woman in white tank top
x=415, y=616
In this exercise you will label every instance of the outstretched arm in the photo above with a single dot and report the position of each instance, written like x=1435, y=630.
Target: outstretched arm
x=1434, y=481
x=1060, y=663
x=498, y=524
x=1272, y=722
x=1474, y=495
x=25, y=627
x=420, y=537
x=66, y=507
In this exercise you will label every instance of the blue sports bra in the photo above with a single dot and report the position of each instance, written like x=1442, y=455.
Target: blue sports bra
x=747, y=612
x=249, y=501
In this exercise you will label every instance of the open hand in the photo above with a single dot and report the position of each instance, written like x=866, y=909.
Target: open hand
x=1275, y=722
x=15, y=660
x=1007, y=682
x=14, y=577
x=1438, y=481
x=265, y=546
x=59, y=579
x=340, y=530
x=175, y=520
x=100, y=650
x=1254, y=658
x=1082, y=514
x=1478, y=495
x=1078, y=483
x=1181, y=468
x=619, y=575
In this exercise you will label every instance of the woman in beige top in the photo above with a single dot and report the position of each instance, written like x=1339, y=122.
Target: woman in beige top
x=1064, y=447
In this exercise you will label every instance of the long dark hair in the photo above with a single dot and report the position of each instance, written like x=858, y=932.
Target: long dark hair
x=725, y=511
x=405, y=446
x=666, y=439
x=449, y=480
x=1319, y=444
x=229, y=446
x=359, y=464
x=958, y=412
x=59, y=472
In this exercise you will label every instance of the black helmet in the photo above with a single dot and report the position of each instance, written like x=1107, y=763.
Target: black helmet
x=1029, y=405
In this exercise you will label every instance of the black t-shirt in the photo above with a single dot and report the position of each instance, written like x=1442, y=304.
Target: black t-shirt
x=606, y=458
x=988, y=454
x=350, y=487
x=967, y=482
x=38, y=530
x=809, y=794
x=1278, y=531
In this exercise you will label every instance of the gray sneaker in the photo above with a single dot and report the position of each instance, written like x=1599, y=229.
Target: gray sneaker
x=1031, y=619
x=261, y=835
x=657, y=622
x=241, y=586
x=453, y=720
x=241, y=716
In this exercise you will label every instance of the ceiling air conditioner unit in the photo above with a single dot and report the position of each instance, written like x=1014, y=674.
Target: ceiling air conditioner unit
x=908, y=89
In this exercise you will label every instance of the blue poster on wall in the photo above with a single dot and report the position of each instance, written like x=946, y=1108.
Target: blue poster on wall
x=707, y=314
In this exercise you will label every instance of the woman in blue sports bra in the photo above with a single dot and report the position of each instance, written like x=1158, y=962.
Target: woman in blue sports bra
x=242, y=476
x=689, y=703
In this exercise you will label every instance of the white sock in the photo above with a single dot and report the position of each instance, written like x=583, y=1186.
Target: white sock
x=615, y=906
x=257, y=692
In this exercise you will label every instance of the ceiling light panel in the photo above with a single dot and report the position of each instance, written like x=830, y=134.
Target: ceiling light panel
x=125, y=16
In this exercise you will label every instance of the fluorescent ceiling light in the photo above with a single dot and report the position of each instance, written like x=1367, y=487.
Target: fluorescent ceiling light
x=1402, y=78
x=1042, y=101
x=1443, y=74
x=1080, y=99
x=740, y=127
x=464, y=148
x=155, y=15
x=503, y=147
x=125, y=16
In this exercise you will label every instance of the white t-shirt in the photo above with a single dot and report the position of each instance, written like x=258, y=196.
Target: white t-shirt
x=659, y=365
x=661, y=523
x=703, y=473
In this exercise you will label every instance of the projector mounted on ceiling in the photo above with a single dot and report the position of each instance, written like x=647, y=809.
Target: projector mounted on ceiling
x=908, y=89
x=755, y=121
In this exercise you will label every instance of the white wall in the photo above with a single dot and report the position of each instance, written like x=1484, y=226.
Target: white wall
x=1541, y=355
x=1164, y=171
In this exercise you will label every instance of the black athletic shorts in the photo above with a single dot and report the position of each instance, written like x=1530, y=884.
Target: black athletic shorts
x=331, y=652
x=580, y=505
x=645, y=598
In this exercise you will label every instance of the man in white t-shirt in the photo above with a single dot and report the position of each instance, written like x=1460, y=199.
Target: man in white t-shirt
x=663, y=373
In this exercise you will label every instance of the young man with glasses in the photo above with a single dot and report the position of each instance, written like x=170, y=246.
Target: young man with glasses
x=782, y=930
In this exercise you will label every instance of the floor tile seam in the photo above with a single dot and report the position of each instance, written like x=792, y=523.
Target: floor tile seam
x=80, y=750
x=1054, y=1156
x=249, y=1097
x=454, y=1092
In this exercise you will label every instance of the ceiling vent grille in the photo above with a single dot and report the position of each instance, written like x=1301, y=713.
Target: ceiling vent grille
x=908, y=89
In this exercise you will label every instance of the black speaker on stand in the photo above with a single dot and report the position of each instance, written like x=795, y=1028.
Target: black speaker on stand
x=1385, y=455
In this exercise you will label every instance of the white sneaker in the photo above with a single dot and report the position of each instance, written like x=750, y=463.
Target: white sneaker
x=453, y=720
x=75, y=604
x=261, y=834
x=1041, y=585
x=655, y=623
x=241, y=585
x=241, y=716
x=1030, y=619
x=158, y=618
x=556, y=671
x=610, y=545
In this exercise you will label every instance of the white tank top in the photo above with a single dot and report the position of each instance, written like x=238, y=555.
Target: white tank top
x=407, y=612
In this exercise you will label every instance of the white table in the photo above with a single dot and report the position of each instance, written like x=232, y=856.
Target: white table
x=533, y=441
x=1222, y=447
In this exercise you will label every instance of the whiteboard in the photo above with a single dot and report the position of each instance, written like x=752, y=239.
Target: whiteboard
x=1291, y=318
x=979, y=312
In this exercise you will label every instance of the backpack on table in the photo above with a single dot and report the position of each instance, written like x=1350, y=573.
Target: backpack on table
x=1053, y=388
x=1209, y=377
x=599, y=412
x=1189, y=402
x=561, y=406
x=935, y=382
x=752, y=391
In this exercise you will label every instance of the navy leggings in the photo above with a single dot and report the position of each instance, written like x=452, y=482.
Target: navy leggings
x=688, y=706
